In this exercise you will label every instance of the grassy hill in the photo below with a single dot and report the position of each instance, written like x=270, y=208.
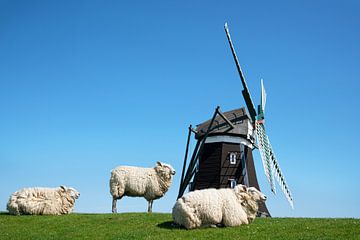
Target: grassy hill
x=159, y=226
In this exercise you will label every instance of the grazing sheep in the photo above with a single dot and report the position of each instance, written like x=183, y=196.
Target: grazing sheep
x=150, y=183
x=42, y=201
x=226, y=206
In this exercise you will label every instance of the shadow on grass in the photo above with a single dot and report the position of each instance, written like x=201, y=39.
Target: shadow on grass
x=169, y=225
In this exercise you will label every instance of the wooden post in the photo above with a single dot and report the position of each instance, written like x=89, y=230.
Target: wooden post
x=225, y=119
x=196, y=154
x=186, y=154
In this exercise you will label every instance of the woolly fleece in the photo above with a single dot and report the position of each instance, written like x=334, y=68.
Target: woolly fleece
x=42, y=201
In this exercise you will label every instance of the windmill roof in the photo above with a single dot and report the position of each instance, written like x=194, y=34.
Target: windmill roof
x=238, y=117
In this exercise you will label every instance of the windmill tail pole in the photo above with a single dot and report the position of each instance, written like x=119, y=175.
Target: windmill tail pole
x=186, y=155
x=249, y=103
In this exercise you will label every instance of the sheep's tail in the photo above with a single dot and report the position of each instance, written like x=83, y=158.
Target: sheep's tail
x=12, y=205
x=185, y=215
x=115, y=188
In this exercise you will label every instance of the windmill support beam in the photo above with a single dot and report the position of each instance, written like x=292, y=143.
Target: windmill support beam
x=225, y=119
x=196, y=153
x=186, y=153
x=193, y=130
x=186, y=180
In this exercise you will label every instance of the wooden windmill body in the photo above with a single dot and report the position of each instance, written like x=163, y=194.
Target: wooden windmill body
x=226, y=157
x=224, y=160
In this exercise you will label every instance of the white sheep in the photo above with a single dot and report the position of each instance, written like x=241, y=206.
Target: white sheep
x=150, y=183
x=226, y=206
x=42, y=201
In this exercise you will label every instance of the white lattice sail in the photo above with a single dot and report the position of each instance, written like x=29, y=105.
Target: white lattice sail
x=271, y=165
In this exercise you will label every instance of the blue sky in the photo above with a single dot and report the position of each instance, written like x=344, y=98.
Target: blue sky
x=86, y=86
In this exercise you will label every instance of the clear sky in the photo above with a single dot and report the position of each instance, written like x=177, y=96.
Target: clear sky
x=86, y=86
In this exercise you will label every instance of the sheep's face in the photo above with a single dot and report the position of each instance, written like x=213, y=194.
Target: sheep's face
x=71, y=191
x=165, y=170
x=256, y=194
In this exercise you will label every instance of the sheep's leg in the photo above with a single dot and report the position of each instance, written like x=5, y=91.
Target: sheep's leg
x=114, y=210
x=150, y=203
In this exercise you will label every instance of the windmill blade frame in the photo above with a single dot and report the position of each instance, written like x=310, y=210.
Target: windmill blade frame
x=271, y=166
x=245, y=92
x=265, y=154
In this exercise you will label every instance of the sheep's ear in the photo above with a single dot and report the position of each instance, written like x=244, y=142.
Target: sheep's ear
x=159, y=163
x=251, y=190
x=241, y=188
x=63, y=187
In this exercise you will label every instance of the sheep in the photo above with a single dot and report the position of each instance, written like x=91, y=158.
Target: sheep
x=211, y=207
x=150, y=183
x=42, y=201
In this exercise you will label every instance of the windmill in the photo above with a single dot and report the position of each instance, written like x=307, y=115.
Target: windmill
x=222, y=156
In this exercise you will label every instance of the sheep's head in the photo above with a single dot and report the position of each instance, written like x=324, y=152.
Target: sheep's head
x=250, y=198
x=256, y=195
x=249, y=193
x=166, y=171
x=70, y=191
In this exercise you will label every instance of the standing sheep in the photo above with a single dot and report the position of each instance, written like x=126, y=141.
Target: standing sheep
x=150, y=183
x=226, y=206
x=42, y=201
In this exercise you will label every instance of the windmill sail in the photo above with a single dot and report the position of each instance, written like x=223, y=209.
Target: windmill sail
x=265, y=153
x=246, y=94
x=271, y=165
x=263, y=96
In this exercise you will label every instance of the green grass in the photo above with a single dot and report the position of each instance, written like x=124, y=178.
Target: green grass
x=159, y=226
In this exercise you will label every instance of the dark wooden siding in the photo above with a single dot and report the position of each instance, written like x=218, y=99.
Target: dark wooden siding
x=215, y=170
x=209, y=167
x=228, y=170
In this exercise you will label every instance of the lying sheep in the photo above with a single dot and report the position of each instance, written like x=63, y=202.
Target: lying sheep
x=150, y=183
x=42, y=201
x=226, y=206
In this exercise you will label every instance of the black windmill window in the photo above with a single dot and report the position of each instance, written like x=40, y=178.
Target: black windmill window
x=232, y=158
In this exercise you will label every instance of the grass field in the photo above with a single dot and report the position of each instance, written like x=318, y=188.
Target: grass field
x=159, y=226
